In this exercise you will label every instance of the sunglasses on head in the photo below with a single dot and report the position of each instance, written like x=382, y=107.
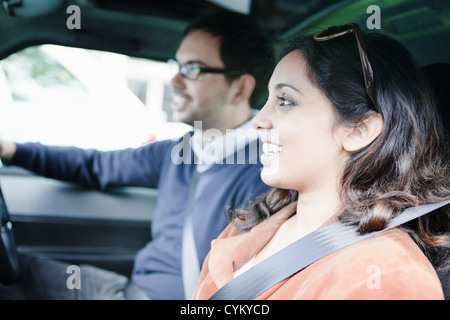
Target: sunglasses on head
x=337, y=31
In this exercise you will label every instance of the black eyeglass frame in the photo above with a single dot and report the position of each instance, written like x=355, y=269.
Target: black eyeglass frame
x=201, y=70
x=337, y=31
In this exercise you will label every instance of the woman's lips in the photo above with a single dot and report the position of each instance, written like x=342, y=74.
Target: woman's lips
x=270, y=149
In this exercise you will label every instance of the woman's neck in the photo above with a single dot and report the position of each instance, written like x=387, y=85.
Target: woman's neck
x=315, y=208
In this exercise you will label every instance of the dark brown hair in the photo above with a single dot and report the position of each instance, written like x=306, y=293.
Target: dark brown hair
x=407, y=165
x=243, y=46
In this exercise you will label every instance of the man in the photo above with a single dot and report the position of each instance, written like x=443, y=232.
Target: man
x=223, y=65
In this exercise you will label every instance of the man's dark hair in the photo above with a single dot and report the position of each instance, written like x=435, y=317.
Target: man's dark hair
x=243, y=47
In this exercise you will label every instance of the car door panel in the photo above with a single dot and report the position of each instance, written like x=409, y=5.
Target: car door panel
x=68, y=222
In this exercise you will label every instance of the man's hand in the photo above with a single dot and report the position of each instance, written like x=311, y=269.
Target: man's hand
x=7, y=149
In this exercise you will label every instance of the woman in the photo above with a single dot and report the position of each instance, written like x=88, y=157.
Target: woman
x=350, y=139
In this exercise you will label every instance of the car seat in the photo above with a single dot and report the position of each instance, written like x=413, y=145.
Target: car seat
x=439, y=77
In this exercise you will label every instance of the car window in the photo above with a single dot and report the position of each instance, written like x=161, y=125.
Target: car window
x=70, y=96
x=34, y=76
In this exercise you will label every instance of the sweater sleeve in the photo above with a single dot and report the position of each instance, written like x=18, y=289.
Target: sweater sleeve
x=93, y=168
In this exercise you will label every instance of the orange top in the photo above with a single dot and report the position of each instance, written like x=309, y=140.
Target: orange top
x=386, y=266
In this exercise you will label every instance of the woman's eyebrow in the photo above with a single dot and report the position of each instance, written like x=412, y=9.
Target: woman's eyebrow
x=280, y=86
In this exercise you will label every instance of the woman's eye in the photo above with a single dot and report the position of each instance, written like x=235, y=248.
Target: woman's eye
x=284, y=102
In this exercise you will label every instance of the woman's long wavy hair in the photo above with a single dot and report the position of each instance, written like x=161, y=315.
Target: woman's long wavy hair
x=406, y=165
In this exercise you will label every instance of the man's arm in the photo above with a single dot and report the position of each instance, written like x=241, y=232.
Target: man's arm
x=96, y=169
x=7, y=149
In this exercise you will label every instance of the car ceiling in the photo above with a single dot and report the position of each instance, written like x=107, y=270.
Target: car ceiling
x=144, y=28
x=153, y=28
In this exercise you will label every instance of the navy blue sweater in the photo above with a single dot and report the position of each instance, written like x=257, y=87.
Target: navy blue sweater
x=157, y=267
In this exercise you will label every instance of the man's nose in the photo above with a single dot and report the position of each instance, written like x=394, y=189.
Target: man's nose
x=177, y=81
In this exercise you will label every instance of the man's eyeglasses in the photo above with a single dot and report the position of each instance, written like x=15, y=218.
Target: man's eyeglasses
x=338, y=31
x=193, y=70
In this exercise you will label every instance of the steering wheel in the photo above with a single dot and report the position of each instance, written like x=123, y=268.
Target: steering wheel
x=9, y=262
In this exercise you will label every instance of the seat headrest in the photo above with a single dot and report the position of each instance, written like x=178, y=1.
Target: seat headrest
x=439, y=76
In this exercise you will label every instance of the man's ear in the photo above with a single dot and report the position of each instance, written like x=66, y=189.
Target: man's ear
x=244, y=88
x=364, y=133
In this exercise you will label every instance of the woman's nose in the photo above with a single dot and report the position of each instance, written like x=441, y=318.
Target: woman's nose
x=262, y=120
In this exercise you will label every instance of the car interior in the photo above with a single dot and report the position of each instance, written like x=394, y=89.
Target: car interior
x=71, y=223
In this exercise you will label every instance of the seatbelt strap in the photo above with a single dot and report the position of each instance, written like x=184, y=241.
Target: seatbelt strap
x=304, y=252
x=190, y=266
x=133, y=292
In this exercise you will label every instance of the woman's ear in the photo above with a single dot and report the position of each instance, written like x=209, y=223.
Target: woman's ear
x=244, y=88
x=364, y=133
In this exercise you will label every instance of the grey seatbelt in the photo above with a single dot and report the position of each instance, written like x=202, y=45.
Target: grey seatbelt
x=189, y=260
x=304, y=252
x=133, y=292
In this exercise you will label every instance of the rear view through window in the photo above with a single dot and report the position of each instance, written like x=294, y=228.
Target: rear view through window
x=70, y=96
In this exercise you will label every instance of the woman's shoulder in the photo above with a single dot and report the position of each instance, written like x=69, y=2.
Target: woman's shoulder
x=386, y=266
x=390, y=250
